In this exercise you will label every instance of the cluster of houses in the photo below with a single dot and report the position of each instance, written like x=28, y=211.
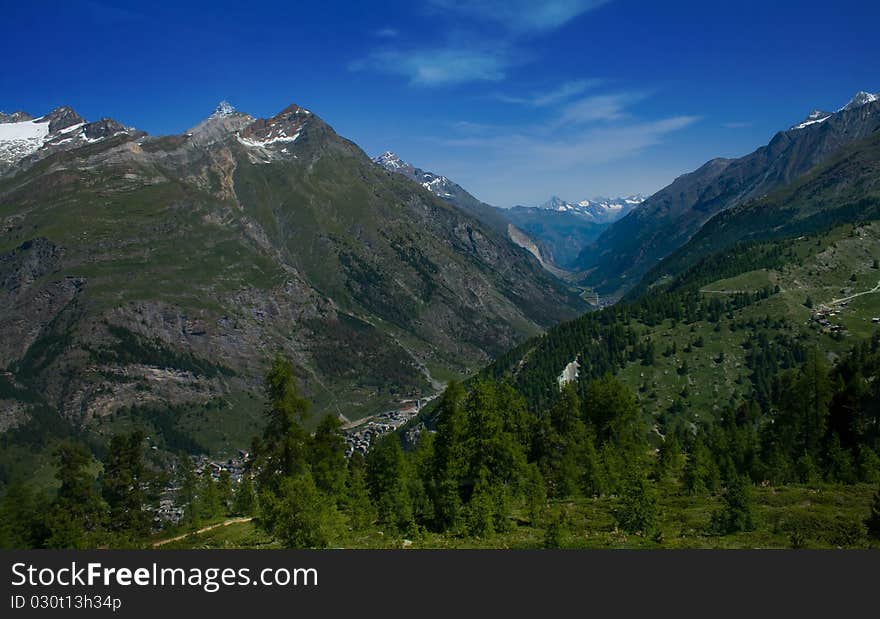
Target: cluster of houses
x=234, y=466
x=359, y=437
x=823, y=315
x=168, y=511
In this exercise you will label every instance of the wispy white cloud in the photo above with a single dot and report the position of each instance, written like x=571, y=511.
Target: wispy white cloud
x=466, y=53
x=605, y=107
x=564, y=91
x=386, y=33
x=520, y=16
x=589, y=134
x=439, y=66
x=539, y=148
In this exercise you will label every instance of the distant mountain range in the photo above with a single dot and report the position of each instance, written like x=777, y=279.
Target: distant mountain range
x=600, y=210
x=564, y=228
x=555, y=231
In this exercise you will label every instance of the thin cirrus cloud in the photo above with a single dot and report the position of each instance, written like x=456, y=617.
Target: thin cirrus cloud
x=564, y=91
x=386, y=33
x=541, y=148
x=576, y=137
x=520, y=17
x=605, y=108
x=438, y=66
x=465, y=55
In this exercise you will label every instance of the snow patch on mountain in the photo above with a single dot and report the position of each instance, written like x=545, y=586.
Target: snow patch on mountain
x=438, y=185
x=20, y=139
x=282, y=137
x=815, y=117
x=569, y=374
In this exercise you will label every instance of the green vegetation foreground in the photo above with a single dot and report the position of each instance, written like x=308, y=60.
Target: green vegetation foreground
x=494, y=474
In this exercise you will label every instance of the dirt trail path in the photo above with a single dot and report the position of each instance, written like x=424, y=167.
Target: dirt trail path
x=225, y=523
x=873, y=290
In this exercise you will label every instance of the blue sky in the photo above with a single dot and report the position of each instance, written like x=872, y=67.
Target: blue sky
x=515, y=100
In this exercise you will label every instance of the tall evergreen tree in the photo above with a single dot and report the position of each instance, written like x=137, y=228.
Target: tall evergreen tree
x=327, y=456
x=356, y=500
x=284, y=449
x=449, y=458
x=387, y=480
x=188, y=489
x=300, y=515
x=77, y=511
x=124, y=484
x=20, y=512
x=245, y=500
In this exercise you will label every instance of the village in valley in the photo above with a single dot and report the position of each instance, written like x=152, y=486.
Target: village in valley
x=358, y=436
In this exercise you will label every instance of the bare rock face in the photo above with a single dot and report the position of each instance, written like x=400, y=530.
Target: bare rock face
x=62, y=118
x=26, y=306
x=104, y=128
x=15, y=117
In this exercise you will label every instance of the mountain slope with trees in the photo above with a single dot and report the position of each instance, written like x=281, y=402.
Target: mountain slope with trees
x=667, y=219
x=162, y=272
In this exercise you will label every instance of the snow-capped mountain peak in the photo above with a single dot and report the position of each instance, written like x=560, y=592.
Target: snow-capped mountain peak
x=861, y=98
x=224, y=108
x=389, y=160
x=438, y=185
x=820, y=116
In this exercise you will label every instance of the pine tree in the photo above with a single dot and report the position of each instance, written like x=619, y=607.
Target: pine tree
x=637, y=510
x=327, y=456
x=209, y=505
x=283, y=452
x=701, y=471
x=300, y=515
x=187, y=494
x=449, y=458
x=356, y=501
x=245, y=502
x=480, y=512
x=124, y=484
x=738, y=512
x=224, y=492
x=19, y=517
x=536, y=495
x=77, y=511
x=387, y=481
x=670, y=459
